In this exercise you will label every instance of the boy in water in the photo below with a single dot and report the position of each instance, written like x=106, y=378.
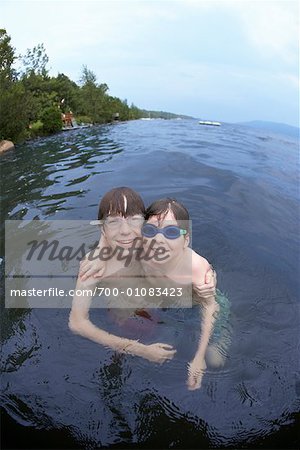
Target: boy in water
x=167, y=227
x=121, y=209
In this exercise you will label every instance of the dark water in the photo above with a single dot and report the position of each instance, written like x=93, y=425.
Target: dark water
x=241, y=188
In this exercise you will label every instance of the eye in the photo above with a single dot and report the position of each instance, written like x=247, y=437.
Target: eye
x=172, y=231
x=112, y=221
x=137, y=219
x=149, y=230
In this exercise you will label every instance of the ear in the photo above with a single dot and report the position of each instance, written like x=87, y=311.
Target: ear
x=103, y=238
x=103, y=232
x=186, y=241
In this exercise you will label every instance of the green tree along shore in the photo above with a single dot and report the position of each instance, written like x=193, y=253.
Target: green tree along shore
x=32, y=101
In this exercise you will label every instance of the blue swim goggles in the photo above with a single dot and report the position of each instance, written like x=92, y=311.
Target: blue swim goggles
x=169, y=232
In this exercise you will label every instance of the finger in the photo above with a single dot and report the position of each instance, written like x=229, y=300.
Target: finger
x=92, y=270
x=82, y=276
x=99, y=273
x=87, y=274
x=82, y=267
x=208, y=277
x=170, y=353
x=191, y=383
x=84, y=264
x=193, y=387
x=168, y=357
x=193, y=374
x=83, y=271
x=207, y=294
x=210, y=284
x=198, y=382
x=206, y=289
x=166, y=346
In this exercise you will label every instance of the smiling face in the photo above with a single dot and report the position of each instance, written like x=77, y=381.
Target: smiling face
x=122, y=231
x=122, y=212
x=173, y=248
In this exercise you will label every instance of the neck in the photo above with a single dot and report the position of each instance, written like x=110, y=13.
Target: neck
x=163, y=269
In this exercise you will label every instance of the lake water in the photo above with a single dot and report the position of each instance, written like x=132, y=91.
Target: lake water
x=241, y=188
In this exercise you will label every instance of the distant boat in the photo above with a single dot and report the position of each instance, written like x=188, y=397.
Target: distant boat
x=208, y=122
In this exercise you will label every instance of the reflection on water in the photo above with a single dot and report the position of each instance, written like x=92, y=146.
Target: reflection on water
x=240, y=186
x=45, y=173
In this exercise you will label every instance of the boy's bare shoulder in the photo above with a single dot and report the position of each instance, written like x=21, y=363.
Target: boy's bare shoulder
x=200, y=266
x=199, y=260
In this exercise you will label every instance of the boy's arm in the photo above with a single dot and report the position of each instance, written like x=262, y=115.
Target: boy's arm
x=80, y=323
x=209, y=309
x=197, y=366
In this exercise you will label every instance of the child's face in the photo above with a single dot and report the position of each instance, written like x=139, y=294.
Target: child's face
x=173, y=247
x=122, y=231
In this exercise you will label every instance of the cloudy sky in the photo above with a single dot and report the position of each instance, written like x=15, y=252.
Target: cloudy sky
x=220, y=60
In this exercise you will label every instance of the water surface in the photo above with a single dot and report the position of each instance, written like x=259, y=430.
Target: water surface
x=241, y=188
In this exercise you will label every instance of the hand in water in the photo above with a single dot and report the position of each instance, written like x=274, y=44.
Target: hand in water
x=159, y=352
x=208, y=289
x=196, y=369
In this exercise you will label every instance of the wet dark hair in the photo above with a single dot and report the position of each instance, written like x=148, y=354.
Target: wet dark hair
x=112, y=203
x=164, y=205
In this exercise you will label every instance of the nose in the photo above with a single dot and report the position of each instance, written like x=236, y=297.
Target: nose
x=125, y=228
x=160, y=239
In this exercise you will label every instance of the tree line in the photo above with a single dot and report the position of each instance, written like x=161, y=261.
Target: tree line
x=32, y=101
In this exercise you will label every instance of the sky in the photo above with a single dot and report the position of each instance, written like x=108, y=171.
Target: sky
x=223, y=60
